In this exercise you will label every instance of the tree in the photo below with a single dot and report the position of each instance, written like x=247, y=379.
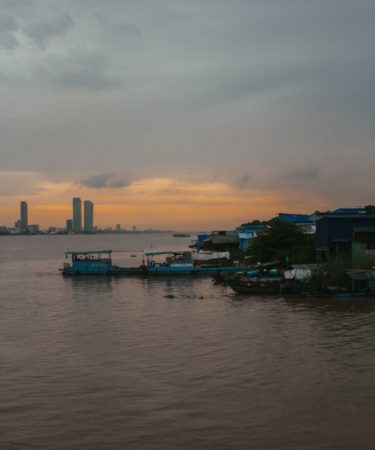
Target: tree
x=370, y=209
x=285, y=242
x=254, y=222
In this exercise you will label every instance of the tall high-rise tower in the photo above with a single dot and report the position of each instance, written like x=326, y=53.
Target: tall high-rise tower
x=77, y=215
x=88, y=216
x=23, y=217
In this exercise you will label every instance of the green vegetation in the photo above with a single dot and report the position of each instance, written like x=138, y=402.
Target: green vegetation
x=284, y=242
x=254, y=222
x=370, y=209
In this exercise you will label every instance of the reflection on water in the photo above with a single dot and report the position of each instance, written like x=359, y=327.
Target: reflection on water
x=180, y=363
x=326, y=304
x=89, y=285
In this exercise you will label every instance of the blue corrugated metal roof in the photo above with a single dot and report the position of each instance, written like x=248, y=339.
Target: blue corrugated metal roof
x=246, y=235
x=295, y=218
x=355, y=210
x=252, y=228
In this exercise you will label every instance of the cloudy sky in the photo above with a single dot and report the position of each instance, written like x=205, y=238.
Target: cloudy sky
x=185, y=113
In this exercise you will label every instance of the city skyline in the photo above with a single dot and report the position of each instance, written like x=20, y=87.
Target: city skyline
x=110, y=215
x=74, y=224
x=22, y=226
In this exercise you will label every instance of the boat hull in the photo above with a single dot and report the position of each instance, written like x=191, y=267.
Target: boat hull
x=108, y=270
x=255, y=289
x=170, y=270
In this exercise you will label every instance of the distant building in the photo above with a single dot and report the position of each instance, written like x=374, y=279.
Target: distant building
x=69, y=225
x=350, y=211
x=247, y=233
x=17, y=226
x=221, y=241
x=33, y=229
x=23, y=218
x=88, y=215
x=118, y=228
x=198, y=242
x=303, y=221
x=77, y=215
x=353, y=211
x=134, y=228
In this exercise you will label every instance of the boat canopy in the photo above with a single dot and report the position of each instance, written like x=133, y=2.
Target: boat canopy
x=89, y=254
x=167, y=253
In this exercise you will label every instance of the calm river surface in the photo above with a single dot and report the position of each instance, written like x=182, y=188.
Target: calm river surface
x=130, y=363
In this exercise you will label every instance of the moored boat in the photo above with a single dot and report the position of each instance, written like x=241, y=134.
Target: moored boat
x=98, y=262
x=89, y=263
x=169, y=263
x=255, y=284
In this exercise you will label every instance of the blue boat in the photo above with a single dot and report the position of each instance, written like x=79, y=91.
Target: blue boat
x=96, y=263
x=174, y=263
x=183, y=263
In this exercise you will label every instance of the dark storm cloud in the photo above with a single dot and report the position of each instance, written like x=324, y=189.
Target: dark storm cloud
x=42, y=32
x=103, y=181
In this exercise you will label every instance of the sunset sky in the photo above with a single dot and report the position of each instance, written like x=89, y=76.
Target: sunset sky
x=185, y=114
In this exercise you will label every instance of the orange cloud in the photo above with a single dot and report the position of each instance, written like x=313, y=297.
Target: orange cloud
x=163, y=203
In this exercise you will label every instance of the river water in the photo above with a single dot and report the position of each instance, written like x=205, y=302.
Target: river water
x=131, y=363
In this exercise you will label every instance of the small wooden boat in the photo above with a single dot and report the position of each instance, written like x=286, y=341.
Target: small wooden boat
x=257, y=282
x=256, y=286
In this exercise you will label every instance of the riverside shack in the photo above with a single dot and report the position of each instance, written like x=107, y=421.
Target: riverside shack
x=351, y=236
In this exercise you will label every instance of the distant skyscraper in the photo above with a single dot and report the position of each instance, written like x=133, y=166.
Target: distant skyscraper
x=88, y=215
x=23, y=218
x=69, y=225
x=77, y=215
